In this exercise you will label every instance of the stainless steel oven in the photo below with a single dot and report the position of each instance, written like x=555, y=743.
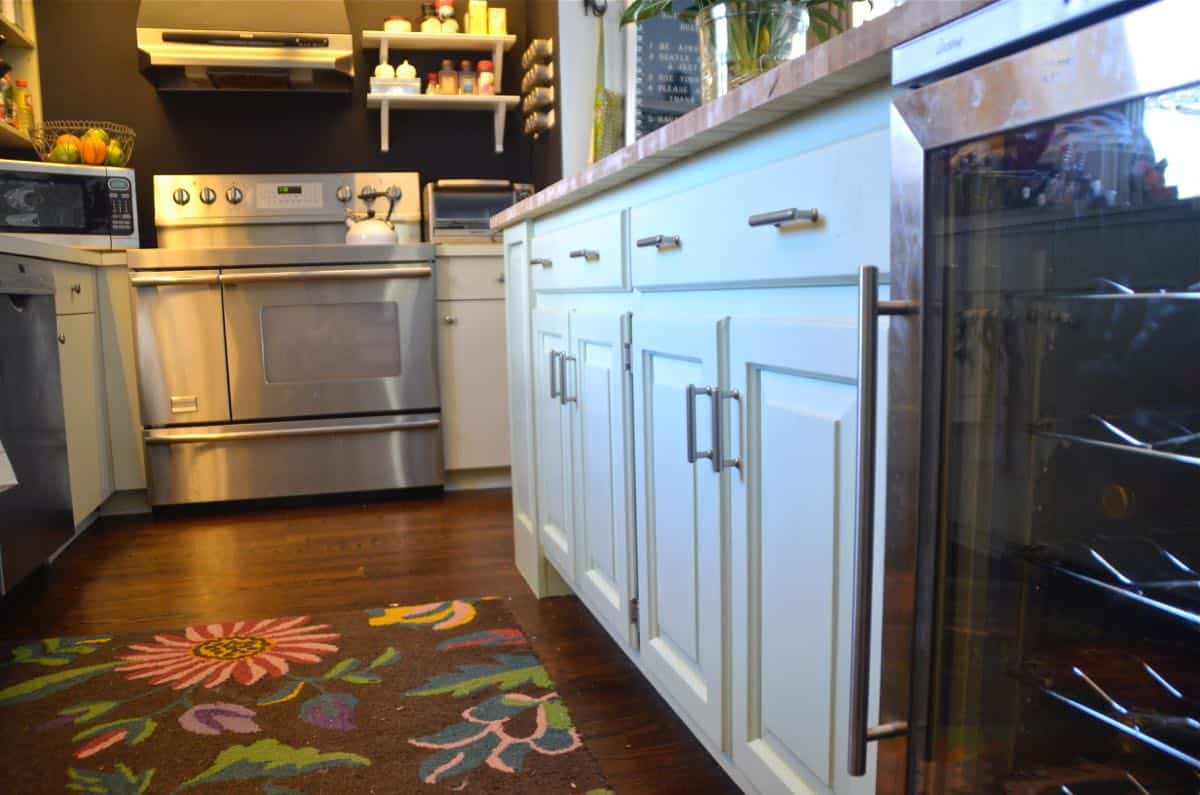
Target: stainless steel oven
x=1043, y=532
x=78, y=206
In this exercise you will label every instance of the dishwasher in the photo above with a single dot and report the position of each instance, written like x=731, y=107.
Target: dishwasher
x=35, y=514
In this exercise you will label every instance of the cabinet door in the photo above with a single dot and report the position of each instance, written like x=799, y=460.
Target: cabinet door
x=679, y=530
x=792, y=544
x=526, y=550
x=552, y=420
x=88, y=457
x=603, y=490
x=474, y=383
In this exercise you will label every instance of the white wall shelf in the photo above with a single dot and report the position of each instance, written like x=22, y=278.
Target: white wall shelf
x=16, y=36
x=498, y=104
x=10, y=136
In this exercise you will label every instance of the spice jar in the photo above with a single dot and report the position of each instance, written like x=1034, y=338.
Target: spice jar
x=466, y=78
x=447, y=78
x=431, y=83
x=487, y=77
x=397, y=25
x=429, y=20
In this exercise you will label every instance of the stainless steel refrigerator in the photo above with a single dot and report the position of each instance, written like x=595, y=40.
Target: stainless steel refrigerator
x=1042, y=592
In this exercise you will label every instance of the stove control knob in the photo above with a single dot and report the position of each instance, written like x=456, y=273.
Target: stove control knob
x=208, y=195
x=234, y=195
x=344, y=193
x=181, y=196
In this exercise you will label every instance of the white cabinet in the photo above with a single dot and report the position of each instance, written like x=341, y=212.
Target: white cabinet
x=473, y=384
x=679, y=528
x=602, y=495
x=552, y=412
x=88, y=457
x=589, y=255
x=792, y=551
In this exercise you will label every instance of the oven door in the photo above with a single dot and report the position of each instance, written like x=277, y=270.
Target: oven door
x=330, y=341
x=1044, y=433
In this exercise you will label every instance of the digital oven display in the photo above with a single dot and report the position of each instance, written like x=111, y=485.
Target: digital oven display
x=289, y=190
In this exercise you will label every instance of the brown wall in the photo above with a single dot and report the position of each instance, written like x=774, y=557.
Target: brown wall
x=89, y=66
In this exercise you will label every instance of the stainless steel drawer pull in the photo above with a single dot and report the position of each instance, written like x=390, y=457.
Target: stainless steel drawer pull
x=77, y=288
x=659, y=241
x=563, y=398
x=719, y=460
x=586, y=253
x=692, y=390
x=780, y=217
x=554, y=373
x=869, y=310
x=62, y=339
x=327, y=274
x=545, y=263
x=158, y=437
x=153, y=280
x=449, y=320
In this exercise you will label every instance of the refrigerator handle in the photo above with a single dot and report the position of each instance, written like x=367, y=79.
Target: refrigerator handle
x=869, y=310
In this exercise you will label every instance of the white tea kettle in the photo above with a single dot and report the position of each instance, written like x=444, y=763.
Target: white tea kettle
x=366, y=228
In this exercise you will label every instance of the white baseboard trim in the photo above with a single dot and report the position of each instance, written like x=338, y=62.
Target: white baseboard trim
x=475, y=479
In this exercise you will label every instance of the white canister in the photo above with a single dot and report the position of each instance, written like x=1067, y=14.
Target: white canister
x=397, y=25
x=385, y=70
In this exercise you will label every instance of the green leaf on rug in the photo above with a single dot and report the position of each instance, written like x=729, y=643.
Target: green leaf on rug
x=54, y=652
x=285, y=693
x=119, y=781
x=42, y=686
x=507, y=672
x=275, y=789
x=389, y=657
x=345, y=666
x=270, y=759
x=89, y=711
x=139, y=729
x=557, y=716
x=362, y=679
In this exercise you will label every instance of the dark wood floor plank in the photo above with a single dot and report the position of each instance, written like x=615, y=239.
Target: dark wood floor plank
x=184, y=567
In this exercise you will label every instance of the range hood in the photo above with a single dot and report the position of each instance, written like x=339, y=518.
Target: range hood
x=246, y=45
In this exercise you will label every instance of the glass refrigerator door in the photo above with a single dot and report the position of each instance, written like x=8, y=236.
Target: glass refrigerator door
x=1066, y=648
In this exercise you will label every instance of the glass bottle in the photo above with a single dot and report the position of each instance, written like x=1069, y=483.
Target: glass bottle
x=447, y=78
x=466, y=78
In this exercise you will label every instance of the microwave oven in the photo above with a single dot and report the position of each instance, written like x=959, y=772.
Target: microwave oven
x=461, y=210
x=91, y=207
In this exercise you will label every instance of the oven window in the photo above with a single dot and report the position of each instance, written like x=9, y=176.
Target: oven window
x=468, y=210
x=330, y=342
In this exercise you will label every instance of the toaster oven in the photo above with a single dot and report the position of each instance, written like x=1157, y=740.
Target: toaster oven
x=459, y=210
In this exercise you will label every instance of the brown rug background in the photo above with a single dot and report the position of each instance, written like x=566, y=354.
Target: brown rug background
x=72, y=720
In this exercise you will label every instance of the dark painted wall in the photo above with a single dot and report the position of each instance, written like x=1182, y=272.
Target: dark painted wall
x=89, y=64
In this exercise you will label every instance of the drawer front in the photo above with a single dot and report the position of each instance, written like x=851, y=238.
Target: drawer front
x=74, y=289
x=846, y=183
x=586, y=256
x=470, y=278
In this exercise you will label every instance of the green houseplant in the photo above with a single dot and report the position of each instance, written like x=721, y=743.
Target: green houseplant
x=740, y=39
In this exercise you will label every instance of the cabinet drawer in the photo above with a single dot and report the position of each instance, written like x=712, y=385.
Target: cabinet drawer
x=74, y=289
x=470, y=278
x=586, y=256
x=846, y=182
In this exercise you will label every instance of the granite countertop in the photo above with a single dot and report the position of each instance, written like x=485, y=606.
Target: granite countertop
x=854, y=59
x=22, y=246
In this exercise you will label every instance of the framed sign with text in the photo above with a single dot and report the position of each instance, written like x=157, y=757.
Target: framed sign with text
x=663, y=74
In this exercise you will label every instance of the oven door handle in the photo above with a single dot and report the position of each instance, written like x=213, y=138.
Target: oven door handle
x=869, y=310
x=328, y=274
x=168, y=437
x=159, y=280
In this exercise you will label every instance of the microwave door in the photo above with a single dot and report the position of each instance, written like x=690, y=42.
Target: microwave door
x=1042, y=566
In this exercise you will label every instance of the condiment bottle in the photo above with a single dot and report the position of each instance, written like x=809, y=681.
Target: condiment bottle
x=466, y=78
x=429, y=20
x=487, y=77
x=23, y=99
x=447, y=78
x=445, y=12
x=431, y=83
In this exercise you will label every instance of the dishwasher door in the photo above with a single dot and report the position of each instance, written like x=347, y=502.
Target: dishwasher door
x=181, y=348
x=35, y=515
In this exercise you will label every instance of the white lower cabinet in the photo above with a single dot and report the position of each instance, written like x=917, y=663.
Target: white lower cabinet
x=552, y=412
x=679, y=506
x=602, y=494
x=474, y=384
x=792, y=538
x=88, y=455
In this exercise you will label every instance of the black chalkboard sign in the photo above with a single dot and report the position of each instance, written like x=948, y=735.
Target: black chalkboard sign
x=668, y=72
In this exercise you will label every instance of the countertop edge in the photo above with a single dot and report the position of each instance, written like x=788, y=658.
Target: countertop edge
x=54, y=252
x=847, y=62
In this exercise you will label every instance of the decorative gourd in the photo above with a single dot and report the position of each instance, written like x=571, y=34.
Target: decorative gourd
x=93, y=150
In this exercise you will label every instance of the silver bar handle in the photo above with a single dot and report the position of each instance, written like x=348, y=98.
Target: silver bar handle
x=328, y=274
x=588, y=254
x=659, y=242
x=778, y=218
x=554, y=392
x=153, y=437
x=869, y=310
x=544, y=262
x=719, y=460
x=151, y=280
x=691, y=392
x=563, y=397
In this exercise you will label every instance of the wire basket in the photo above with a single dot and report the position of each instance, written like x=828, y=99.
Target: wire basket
x=45, y=138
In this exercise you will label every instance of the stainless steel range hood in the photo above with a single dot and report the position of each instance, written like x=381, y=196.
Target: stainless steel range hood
x=246, y=45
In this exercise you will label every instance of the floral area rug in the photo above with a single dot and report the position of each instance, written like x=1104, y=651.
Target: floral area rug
x=437, y=697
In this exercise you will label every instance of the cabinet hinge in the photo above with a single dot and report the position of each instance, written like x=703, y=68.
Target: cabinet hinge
x=633, y=610
x=627, y=355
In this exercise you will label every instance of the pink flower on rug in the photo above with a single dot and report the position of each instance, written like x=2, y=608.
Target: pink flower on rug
x=246, y=651
x=99, y=743
x=217, y=718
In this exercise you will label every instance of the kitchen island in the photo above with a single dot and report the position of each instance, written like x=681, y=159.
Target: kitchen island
x=683, y=340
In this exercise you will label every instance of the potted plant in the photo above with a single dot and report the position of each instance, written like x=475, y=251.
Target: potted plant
x=740, y=39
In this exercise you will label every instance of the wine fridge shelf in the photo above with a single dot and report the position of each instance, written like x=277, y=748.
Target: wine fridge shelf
x=1174, y=441
x=1133, y=731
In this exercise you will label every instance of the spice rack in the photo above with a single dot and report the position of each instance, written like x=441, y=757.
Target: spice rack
x=20, y=50
x=498, y=104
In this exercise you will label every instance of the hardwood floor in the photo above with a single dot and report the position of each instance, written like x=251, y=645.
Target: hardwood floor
x=163, y=572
